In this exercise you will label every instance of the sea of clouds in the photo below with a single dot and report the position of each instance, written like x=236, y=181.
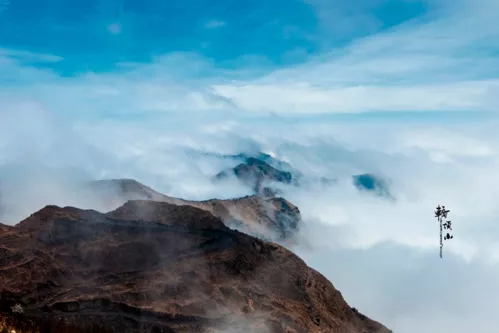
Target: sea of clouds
x=154, y=122
x=382, y=254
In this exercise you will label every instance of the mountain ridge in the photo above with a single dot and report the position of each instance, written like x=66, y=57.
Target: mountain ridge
x=158, y=267
x=269, y=218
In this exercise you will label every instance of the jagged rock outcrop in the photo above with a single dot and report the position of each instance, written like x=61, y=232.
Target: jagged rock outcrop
x=259, y=171
x=243, y=157
x=258, y=175
x=156, y=267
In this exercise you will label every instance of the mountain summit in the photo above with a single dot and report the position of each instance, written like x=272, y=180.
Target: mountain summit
x=158, y=267
x=258, y=175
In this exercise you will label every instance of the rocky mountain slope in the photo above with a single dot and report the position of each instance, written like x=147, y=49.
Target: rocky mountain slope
x=268, y=218
x=157, y=267
x=4, y=228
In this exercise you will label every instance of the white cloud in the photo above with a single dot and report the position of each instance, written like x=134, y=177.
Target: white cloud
x=27, y=56
x=441, y=62
x=382, y=255
x=115, y=28
x=215, y=24
x=304, y=98
x=431, y=64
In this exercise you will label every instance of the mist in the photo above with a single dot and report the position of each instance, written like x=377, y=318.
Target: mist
x=414, y=104
x=381, y=254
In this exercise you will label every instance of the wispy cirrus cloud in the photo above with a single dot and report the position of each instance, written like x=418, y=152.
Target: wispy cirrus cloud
x=215, y=24
x=441, y=59
x=29, y=57
x=444, y=60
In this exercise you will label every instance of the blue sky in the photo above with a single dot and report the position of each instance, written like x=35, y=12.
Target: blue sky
x=96, y=34
x=288, y=57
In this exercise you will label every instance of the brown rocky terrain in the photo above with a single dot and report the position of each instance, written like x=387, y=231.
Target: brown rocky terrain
x=268, y=218
x=4, y=228
x=156, y=267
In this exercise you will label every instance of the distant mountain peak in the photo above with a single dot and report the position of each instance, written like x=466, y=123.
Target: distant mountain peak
x=372, y=183
x=255, y=215
x=259, y=175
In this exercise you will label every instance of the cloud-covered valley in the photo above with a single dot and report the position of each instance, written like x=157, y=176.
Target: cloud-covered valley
x=382, y=254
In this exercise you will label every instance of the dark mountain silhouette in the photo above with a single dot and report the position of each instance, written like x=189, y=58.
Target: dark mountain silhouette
x=270, y=219
x=243, y=157
x=259, y=171
x=274, y=162
x=372, y=183
x=258, y=175
x=157, y=267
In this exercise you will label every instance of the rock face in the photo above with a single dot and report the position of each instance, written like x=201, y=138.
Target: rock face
x=270, y=219
x=257, y=174
x=259, y=170
x=243, y=157
x=157, y=267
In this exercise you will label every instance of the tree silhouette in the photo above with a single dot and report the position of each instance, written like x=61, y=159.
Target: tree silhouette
x=441, y=214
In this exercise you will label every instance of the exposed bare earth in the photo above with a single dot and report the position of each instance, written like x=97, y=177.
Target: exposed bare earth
x=157, y=267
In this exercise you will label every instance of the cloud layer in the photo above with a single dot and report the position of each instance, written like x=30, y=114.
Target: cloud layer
x=368, y=105
x=382, y=255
